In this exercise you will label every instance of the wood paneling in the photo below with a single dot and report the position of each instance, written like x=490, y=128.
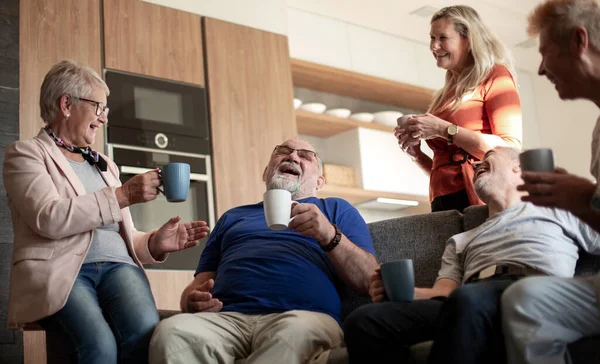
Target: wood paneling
x=250, y=93
x=50, y=31
x=167, y=286
x=341, y=82
x=153, y=40
x=324, y=126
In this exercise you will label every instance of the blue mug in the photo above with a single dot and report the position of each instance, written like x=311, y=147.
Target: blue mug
x=399, y=280
x=176, y=181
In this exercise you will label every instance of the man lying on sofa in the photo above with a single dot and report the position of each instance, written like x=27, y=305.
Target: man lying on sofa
x=270, y=296
x=461, y=312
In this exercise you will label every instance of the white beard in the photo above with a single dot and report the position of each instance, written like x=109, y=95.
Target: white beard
x=281, y=182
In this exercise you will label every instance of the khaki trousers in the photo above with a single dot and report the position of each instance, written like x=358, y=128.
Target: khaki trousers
x=224, y=337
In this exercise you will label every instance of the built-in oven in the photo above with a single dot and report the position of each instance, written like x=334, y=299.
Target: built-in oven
x=134, y=160
x=157, y=113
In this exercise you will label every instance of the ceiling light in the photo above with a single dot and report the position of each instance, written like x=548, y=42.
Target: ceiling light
x=529, y=43
x=424, y=11
x=388, y=204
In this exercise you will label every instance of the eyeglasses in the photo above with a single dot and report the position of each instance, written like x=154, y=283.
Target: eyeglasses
x=99, y=108
x=305, y=154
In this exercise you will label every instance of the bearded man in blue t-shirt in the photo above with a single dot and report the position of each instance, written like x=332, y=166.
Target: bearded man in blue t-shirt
x=272, y=296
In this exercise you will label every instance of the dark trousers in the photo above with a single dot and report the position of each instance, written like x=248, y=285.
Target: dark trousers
x=454, y=201
x=466, y=327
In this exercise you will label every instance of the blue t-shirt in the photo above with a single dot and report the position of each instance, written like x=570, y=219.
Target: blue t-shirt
x=266, y=271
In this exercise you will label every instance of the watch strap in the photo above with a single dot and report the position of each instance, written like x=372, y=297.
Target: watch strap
x=334, y=242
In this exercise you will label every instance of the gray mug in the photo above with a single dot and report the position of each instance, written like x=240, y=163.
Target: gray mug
x=176, y=181
x=537, y=160
x=399, y=280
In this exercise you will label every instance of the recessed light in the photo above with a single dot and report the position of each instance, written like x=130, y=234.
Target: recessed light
x=529, y=43
x=424, y=11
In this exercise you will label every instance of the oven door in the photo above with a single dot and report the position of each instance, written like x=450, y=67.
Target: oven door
x=153, y=214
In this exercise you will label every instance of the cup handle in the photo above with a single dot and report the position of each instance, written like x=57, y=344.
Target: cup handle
x=294, y=203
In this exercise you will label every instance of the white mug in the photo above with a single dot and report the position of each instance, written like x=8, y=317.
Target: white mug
x=278, y=208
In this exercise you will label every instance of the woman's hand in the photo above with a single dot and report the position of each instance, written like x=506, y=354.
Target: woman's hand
x=173, y=236
x=141, y=188
x=427, y=126
x=409, y=145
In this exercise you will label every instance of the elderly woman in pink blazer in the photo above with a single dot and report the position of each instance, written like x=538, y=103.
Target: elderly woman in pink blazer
x=77, y=260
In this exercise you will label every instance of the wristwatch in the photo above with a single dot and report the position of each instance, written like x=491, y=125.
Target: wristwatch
x=334, y=242
x=452, y=131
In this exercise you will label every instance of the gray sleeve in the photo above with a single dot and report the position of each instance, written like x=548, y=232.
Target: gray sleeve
x=587, y=237
x=451, y=266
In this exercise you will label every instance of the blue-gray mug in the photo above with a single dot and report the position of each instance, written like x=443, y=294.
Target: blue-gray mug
x=399, y=280
x=176, y=181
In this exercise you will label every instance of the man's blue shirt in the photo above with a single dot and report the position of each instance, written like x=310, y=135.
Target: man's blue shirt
x=266, y=271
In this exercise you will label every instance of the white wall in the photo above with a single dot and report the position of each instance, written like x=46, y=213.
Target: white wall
x=268, y=15
x=319, y=39
x=565, y=126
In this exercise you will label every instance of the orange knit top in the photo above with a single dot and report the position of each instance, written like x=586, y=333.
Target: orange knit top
x=494, y=108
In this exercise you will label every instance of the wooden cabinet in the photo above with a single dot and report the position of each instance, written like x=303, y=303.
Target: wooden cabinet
x=153, y=40
x=50, y=31
x=250, y=95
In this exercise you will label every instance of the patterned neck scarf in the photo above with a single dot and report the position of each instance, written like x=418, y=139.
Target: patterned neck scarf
x=88, y=154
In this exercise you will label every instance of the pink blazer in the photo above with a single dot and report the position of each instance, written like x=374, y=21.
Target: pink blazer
x=53, y=222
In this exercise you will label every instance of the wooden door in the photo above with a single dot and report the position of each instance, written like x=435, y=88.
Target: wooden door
x=153, y=40
x=51, y=31
x=250, y=93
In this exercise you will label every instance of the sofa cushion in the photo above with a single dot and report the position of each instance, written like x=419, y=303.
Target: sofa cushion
x=421, y=238
x=474, y=216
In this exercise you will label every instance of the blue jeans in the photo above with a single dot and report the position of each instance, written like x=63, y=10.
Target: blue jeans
x=466, y=327
x=109, y=316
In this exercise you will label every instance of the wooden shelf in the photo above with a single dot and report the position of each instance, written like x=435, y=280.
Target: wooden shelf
x=341, y=82
x=357, y=195
x=324, y=126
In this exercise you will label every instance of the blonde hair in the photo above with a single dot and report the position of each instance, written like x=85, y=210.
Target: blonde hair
x=486, y=51
x=561, y=16
x=67, y=78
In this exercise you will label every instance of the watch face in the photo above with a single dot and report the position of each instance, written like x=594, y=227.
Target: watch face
x=452, y=129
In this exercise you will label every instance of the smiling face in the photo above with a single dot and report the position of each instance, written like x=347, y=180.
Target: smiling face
x=82, y=125
x=558, y=66
x=450, y=49
x=293, y=170
x=498, y=171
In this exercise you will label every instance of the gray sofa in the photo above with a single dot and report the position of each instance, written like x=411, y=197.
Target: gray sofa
x=422, y=238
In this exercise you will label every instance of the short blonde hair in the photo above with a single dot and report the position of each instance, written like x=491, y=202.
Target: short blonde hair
x=67, y=78
x=486, y=52
x=561, y=16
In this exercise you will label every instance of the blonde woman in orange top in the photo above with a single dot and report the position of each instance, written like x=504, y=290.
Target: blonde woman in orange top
x=477, y=109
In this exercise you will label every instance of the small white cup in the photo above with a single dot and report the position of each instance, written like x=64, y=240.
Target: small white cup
x=278, y=208
x=537, y=160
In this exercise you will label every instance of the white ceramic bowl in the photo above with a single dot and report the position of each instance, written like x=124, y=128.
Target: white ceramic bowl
x=315, y=107
x=388, y=118
x=297, y=103
x=340, y=113
x=366, y=117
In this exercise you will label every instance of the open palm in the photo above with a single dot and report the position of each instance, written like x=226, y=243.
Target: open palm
x=174, y=236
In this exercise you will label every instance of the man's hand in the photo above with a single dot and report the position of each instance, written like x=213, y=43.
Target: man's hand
x=376, y=288
x=201, y=300
x=173, y=236
x=558, y=189
x=309, y=220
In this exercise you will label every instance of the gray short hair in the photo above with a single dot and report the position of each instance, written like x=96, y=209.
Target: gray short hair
x=560, y=17
x=67, y=78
